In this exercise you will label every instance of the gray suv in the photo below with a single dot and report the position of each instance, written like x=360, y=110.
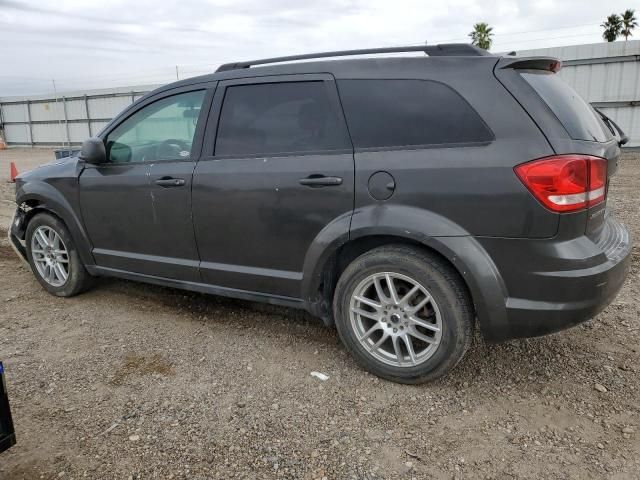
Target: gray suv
x=399, y=198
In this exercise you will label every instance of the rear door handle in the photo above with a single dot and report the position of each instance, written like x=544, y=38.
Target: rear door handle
x=321, y=181
x=170, y=182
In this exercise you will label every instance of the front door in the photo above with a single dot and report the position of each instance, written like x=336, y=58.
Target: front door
x=137, y=206
x=281, y=171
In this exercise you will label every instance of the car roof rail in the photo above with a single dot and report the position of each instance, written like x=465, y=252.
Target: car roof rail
x=443, y=50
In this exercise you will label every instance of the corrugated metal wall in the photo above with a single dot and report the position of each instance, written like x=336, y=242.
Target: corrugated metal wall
x=68, y=119
x=607, y=75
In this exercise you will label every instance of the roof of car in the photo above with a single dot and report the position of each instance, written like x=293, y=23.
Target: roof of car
x=351, y=64
x=442, y=50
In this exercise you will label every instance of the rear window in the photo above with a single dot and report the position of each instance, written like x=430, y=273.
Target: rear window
x=396, y=113
x=578, y=117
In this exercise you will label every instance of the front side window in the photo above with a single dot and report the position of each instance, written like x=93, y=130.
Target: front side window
x=163, y=130
x=272, y=118
x=399, y=113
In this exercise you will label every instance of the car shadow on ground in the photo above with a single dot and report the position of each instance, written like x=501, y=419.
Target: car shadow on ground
x=527, y=360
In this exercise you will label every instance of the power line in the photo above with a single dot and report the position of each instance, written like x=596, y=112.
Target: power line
x=546, y=38
x=164, y=74
x=510, y=34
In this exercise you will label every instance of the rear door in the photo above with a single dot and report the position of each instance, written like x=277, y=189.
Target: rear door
x=279, y=170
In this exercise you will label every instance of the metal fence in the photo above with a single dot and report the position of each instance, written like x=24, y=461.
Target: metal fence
x=63, y=120
x=605, y=74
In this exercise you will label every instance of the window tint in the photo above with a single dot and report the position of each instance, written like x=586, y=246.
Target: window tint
x=279, y=117
x=162, y=130
x=392, y=113
x=578, y=117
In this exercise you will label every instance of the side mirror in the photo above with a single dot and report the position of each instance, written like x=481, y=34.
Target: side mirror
x=93, y=151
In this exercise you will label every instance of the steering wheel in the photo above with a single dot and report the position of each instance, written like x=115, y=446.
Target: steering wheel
x=173, y=148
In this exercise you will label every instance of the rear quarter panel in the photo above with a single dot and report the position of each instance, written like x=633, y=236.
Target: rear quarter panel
x=472, y=186
x=559, y=139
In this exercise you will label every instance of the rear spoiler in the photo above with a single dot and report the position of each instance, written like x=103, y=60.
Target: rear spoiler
x=550, y=64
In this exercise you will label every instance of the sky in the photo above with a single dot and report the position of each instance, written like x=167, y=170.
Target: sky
x=89, y=44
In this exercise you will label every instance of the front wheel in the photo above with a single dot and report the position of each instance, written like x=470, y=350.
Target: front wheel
x=54, y=258
x=404, y=314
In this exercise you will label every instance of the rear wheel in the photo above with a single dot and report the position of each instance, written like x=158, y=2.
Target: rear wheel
x=54, y=258
x=404, y=314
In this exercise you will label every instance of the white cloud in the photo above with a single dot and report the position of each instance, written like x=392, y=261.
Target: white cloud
x=91, y=44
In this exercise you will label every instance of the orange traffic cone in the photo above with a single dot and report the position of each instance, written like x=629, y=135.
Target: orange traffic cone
x=14, y=172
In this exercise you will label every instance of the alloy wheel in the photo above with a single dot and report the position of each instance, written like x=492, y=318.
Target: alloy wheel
x=50, y=256
x=395, y=319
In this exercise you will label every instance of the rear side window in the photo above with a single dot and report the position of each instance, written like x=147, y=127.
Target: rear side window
x=272, y=118
x=396, y=113
x=577, y=116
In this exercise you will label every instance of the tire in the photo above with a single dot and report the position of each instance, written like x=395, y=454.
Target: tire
x=77, y=279
x=444, y=323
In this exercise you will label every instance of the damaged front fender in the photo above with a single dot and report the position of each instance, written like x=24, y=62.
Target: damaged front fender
x=16, y=232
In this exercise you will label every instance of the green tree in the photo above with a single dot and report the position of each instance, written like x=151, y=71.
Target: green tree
x=481, y=35
x=612, y=27
x=629, y=22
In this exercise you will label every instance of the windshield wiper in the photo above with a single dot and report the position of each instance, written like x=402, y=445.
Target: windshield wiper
x=613, y=125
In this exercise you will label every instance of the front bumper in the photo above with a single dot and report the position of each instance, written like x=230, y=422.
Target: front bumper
x=15, y=232
x=555, y=284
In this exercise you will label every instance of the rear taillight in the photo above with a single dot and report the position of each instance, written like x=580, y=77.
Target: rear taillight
x=565, y=183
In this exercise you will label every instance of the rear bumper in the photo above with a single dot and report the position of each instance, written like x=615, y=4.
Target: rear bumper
x=555, y=284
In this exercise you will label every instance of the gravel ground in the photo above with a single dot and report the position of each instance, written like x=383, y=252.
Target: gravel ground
x=134, y=381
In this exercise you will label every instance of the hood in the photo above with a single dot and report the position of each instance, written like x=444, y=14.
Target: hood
x=48, y=169
x=65, y=168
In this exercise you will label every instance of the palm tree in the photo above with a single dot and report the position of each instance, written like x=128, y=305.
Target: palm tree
x=481, y=35
x=612, y=27
x=628, y=23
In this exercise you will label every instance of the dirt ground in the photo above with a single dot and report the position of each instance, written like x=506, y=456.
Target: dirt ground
x=134, y=381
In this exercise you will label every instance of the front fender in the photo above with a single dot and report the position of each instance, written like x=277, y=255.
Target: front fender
x=50, y=199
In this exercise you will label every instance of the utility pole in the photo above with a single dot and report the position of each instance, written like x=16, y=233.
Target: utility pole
x=177, y=77
x=55, y=94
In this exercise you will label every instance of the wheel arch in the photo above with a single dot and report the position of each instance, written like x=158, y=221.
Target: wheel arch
x=40, y=197
x=463, y=253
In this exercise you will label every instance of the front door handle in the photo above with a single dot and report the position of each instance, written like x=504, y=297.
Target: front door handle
x=321, y=181
x=170, y=182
